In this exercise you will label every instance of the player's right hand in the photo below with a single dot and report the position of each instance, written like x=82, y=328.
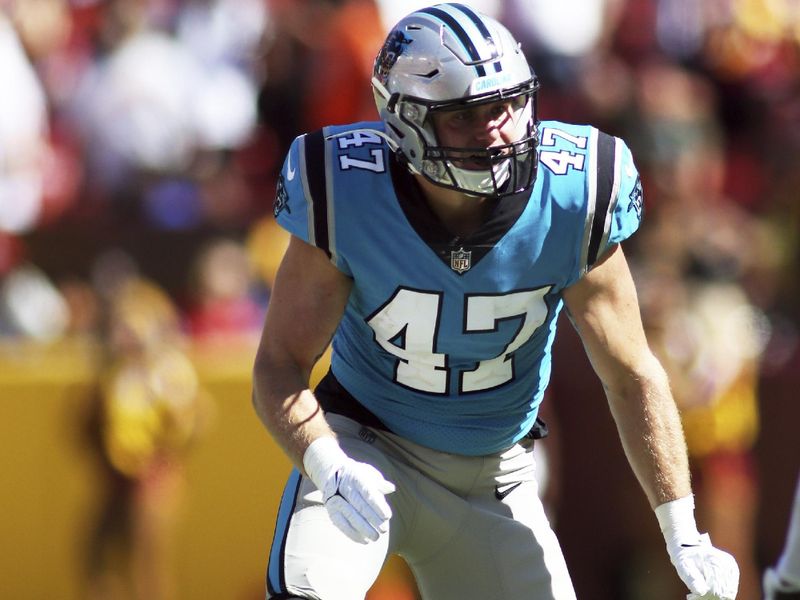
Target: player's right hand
x=353, y=492
x=354, y=498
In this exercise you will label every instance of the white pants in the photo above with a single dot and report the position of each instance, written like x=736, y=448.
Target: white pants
x=461, y=536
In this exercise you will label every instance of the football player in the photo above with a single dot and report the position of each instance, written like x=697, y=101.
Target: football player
x=436, y=248
x=782, y=582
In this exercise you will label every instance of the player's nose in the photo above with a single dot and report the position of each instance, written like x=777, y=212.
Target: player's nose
x=486, y=131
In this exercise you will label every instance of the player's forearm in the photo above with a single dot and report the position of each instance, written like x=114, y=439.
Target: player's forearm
x=288, y=408
x=651, y=433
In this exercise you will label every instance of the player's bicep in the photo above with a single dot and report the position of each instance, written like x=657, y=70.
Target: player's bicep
x=306, y=304
x=604, y=309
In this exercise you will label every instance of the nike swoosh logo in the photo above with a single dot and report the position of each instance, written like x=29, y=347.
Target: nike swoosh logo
x=290, y=172
x=502, y=493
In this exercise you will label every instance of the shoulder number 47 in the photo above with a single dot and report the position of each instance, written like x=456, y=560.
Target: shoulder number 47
x=560, y=161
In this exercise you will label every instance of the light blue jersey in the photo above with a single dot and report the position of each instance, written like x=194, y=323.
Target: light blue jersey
x=446, y=340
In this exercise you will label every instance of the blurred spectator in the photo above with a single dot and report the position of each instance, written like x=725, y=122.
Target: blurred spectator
x=222, y=301
x=266, y=243
x=155, y=102
x=148, y=411
x=391, y=12
x=23, y=134
x=543, y=25
x=318, y=64
x=568, y=43
x=31, y=306
x=12, y=251
x=340, y=62
x=137, y=106
x=224, y=32
x=84, y=307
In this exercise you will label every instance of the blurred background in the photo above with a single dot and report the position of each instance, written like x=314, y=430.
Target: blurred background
x=140, y=142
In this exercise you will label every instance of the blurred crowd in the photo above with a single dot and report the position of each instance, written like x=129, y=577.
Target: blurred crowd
x=140, y=140
x=154, y=129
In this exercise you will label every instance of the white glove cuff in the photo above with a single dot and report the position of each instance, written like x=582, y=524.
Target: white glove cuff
x=676, y=519
x=321, y=459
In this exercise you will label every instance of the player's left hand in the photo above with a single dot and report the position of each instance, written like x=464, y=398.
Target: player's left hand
x=708, y=572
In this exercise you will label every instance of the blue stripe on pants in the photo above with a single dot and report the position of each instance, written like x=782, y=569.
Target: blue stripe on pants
x=276, y=582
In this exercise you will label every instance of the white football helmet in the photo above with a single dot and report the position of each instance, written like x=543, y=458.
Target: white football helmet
x=448, y=57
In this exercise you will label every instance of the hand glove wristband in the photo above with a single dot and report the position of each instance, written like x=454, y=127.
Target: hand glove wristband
x=676, y=520
x=321, y=459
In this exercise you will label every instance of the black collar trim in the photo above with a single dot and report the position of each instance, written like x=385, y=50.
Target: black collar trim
x=430, y=229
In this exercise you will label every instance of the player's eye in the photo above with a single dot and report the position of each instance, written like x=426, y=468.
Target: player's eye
x=499, y=109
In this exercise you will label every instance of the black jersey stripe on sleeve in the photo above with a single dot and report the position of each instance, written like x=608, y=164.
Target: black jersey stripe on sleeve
x=606, y=152
x=316, y=169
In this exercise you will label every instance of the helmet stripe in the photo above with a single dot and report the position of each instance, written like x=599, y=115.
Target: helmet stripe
x=487, y=35
x=459, y=32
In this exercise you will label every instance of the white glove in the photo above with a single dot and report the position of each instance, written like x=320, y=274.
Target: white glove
x=353, y=492
x=709, y=573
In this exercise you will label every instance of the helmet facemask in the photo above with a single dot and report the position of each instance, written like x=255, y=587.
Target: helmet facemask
x=486, y=171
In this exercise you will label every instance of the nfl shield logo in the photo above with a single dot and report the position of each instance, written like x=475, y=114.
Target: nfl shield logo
x=460, y=260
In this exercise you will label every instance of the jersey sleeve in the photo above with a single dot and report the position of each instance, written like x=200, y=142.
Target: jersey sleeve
x=619, y=202
x=291, y=206
x=628, y=205
x=302, y=204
